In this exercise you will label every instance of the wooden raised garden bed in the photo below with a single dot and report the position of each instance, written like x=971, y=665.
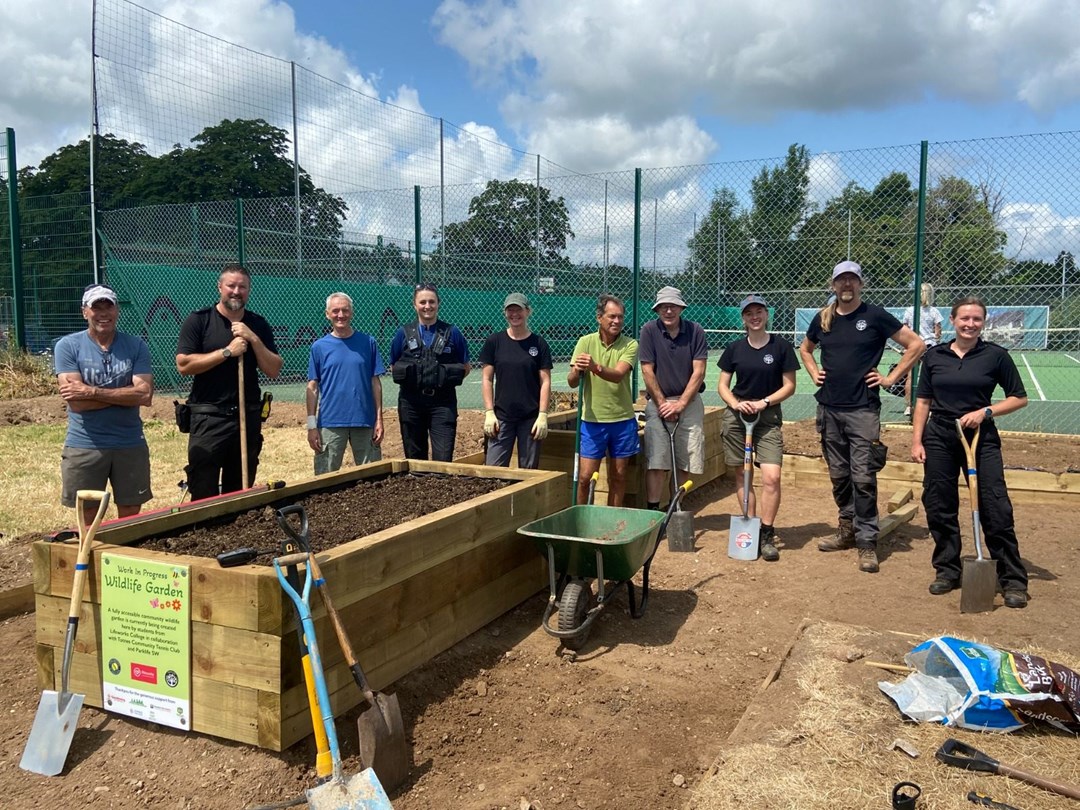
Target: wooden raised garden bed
x=405, y=594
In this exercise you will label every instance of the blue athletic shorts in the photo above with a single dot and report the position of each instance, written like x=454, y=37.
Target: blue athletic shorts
x=620, y=439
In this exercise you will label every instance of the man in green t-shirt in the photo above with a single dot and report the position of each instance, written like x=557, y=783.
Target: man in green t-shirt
x=608, y=428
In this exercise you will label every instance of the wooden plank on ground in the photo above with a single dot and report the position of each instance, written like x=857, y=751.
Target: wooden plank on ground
x=19, y=599
x=898, y=499
x=902, y=515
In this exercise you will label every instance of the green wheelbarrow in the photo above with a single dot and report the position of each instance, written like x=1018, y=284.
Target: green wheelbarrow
x=607, y=543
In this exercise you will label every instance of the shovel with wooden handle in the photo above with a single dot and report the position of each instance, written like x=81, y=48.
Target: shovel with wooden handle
x=382, y=733
x=978, y=583
x=245, y=474
x=744, y=533
x=58, y=712
x=961, y=755
x=680, y=528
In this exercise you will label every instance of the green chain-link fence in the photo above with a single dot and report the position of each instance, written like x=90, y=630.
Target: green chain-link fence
x=410, y=197
x=995, y=225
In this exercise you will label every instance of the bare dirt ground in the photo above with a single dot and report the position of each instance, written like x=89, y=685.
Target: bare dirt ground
x=506, y=720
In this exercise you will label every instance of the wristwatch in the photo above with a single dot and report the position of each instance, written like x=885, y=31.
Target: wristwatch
x=226, y=352
x=767, y=401
x=988, y=414
x=599, y=369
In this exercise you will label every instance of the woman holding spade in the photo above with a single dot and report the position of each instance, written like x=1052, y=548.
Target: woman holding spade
x=957, y=383
x=764, y=367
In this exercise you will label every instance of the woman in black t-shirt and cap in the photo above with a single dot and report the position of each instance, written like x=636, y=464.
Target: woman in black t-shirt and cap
x=958, y=380
x=764, y=368
x=516, y=380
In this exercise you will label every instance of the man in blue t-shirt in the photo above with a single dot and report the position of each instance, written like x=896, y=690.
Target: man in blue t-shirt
x=344, y=385
x=104, y=376
x=852, y=335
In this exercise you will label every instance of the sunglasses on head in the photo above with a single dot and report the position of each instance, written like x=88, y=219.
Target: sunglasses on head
x=428, y=287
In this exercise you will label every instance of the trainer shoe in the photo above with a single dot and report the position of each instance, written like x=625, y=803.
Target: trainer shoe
x=842, y=540
x=868, y=560
x=769, y=551
x=943, y=585
x=1016, y=598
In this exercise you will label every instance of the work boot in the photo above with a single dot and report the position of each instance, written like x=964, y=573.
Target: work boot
x=843, y=539
x=769, y=551
x=868, y=560
x=1016, y=598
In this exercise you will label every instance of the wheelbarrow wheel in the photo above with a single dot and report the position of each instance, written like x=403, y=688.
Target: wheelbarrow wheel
x=573, y=608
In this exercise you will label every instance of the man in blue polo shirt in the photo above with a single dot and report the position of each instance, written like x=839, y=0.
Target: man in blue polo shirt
x=104, y=376
x=852, y=335
x=344, y=385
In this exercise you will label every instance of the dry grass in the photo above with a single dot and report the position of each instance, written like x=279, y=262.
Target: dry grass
x=25, y=375
x=825, y=742
x=31, y=487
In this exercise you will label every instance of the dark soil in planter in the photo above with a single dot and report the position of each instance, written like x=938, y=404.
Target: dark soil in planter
x=335, y=516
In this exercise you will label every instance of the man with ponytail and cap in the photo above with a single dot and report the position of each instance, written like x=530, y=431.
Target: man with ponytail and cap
x=852, y=335
x=104, y=376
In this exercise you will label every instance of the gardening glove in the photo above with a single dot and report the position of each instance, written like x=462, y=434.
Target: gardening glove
x=540, y=428
x=491, y=424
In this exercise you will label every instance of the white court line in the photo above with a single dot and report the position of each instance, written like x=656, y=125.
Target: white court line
x=1072, y=358
x=1034, y=379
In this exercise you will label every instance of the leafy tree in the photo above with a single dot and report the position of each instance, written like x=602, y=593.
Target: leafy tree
x=720, y=249
x=779, y=205
x=503, y=226
x=246, y=159
x=962, y=247
x=67, y=170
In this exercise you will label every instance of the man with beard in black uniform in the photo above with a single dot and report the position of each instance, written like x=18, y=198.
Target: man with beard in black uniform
x=213, y=342
x=852, y=335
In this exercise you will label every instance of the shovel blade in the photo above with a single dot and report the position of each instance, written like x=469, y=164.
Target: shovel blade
x=361, y=791
x=743, y=537
x=382, y=740
x=50, y=737
x=978, y=586
x=680, y=531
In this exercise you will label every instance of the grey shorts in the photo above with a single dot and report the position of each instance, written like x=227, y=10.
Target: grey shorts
x=126, y=469
x=768, y=437
x=334, y=442
x=689, y=439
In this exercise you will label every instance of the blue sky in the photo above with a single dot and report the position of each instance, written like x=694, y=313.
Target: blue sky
x=611, y=85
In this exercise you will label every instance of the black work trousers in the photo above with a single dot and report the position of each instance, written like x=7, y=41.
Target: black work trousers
x=941, y=498
x=213, y=466
x=846, y=439
x=422, y=418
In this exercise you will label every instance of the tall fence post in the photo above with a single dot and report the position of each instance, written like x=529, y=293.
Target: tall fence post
x=637, y=267
x=418, y=232
x=15, y=235
x=241, y=239
x=920, y=237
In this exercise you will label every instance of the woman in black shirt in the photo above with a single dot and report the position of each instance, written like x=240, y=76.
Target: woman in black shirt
x=763, y=366
x=957, y=383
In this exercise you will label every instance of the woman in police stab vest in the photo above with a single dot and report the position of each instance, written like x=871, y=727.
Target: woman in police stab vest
x=429, y=358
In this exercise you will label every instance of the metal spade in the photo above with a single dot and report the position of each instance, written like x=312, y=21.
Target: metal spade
x=58, y=712
x=745, y=532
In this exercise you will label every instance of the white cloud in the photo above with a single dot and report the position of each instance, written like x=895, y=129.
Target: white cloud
x=1037, y=231
x=45, y=62
x=573, y=68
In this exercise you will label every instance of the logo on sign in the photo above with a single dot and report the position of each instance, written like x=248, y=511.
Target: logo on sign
x=144, y=673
